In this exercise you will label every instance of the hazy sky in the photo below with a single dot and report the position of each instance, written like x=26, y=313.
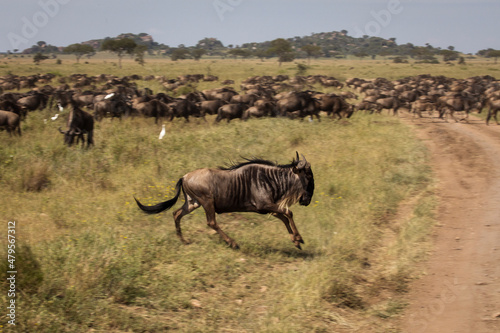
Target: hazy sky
x=468, y=25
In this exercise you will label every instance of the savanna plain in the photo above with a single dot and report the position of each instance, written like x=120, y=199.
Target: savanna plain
x=89, y=260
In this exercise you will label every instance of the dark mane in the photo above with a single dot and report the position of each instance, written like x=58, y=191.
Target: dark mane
x=236, y=165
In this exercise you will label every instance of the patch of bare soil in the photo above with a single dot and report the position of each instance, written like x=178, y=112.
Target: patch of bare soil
x=460, y=289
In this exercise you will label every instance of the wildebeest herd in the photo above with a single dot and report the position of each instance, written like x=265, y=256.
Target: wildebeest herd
x=92, y=98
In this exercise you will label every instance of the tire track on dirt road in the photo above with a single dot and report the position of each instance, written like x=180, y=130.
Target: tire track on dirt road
x=461, y=289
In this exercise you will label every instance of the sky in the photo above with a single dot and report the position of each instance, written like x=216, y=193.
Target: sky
x=467, y=25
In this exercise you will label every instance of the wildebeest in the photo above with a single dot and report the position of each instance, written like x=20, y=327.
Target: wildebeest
x=113, y=107
x=335, y=105
x=11, y=121
x=33, y=101
x=211, y=107
x=453, y=103
x=301, y=103
x=152, y=108
x=248, y=99
x=493, y=107
x=368, y=106
x=185, y=108
x=348, y=94
x=231, y=111
x=79, y=123
x=421, y=105
x=261, y=108
x=8, y=105
x=255, y=185
x=389, y=103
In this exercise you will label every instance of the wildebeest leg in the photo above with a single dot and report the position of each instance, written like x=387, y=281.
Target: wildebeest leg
x=488, y=117
x=287, y=219
x=395, y=110
x=212, y=223
x=317, y=116
x=447, y=111
x=189, y=205
x=466, y=118
x=491, y=113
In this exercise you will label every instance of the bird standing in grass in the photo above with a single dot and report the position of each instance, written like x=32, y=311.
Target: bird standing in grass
x=162, y=133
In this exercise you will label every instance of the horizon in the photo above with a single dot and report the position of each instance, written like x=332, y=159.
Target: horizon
x=441, y=23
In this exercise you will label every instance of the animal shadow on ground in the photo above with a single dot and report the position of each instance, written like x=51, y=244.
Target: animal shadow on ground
x=263, y=251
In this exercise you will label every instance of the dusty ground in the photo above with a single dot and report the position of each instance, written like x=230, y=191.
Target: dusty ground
x=460, y=291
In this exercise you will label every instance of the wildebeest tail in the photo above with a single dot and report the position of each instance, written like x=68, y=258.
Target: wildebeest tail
x=160, y=207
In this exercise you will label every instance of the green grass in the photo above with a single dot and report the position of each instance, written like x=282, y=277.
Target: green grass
x=88, y=259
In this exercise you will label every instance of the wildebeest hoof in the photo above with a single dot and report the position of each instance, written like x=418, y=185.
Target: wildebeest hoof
x=297, y=245
x=298, y=239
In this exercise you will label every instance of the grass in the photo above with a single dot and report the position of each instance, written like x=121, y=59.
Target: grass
x=242, y=68
x=88, y=259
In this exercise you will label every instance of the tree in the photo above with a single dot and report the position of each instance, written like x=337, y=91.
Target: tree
x=261, y=54
x=244, y=53
x=209, y=44
x=449, y=55
x=198, y=53
x=79, y=50
x=311, y=51
x=283, y=49
x=39, y=57
x=179, y=53
x=139, y=54
x=120, y=47
x=420, y=52
x=361, y=54
x=493, y=54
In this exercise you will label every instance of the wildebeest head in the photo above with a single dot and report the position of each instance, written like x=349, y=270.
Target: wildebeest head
x=69, y=135
x=302, y=169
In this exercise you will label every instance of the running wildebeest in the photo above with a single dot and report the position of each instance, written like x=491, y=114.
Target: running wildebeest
x=256, y=185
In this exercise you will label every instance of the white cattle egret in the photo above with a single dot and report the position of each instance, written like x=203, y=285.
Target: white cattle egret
x=61, y=109
x=162, y=133
x=108, y=96
x=55, y=117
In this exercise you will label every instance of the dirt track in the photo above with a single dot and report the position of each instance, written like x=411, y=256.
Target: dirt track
x=461, y=289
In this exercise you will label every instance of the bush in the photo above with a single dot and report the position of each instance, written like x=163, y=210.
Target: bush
x=400, y=60
x=302, y=69
x=35, y=177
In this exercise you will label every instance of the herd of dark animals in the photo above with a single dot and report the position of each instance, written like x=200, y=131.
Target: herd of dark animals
x=260, y=96
x=255, y=185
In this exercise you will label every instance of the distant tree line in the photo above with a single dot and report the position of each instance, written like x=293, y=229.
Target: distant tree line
x=328, y=44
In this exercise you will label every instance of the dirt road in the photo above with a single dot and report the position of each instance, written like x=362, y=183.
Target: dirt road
x=461, y=289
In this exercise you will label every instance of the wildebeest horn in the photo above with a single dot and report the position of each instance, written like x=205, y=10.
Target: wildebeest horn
x=302, y=163
x=60, y=130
